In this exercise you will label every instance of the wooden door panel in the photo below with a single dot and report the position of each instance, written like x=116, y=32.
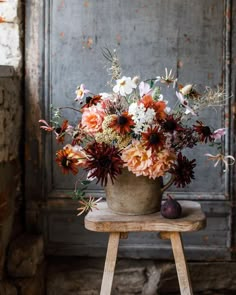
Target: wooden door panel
x=63, y=49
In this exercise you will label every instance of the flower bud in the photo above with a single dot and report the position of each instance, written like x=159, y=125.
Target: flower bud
x=136, y=80
x=186, y=89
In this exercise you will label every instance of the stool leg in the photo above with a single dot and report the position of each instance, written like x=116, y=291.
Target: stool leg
x=110, y=263
x=181, y=265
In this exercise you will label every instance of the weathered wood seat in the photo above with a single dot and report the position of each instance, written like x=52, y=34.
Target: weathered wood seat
x=104, y=220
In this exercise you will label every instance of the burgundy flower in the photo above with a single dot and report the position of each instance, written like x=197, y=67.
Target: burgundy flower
x=170, y=124
x=185, y=138
x=103, y=161
x=183, y=171
x=204, y=132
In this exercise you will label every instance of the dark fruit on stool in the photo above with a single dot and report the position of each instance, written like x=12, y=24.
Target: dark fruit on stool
x=171, y=208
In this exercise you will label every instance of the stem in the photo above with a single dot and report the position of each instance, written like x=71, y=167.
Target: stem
x=61, y=108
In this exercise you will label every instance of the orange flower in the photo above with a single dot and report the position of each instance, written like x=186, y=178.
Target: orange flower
x=68, y=160
x=158, y=106
x=61, y=131
x=122, y=124
x=136, y=158
x=162, y=162
x=143, y=162
x=92, y=119
x=153, y=139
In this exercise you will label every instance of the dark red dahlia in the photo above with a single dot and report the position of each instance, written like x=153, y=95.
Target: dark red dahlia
x=183, y=171
x=204, y=132
x=171, y=124
x=103, y=161
x=183, y=139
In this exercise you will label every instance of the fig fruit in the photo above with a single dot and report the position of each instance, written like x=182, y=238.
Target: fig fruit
x=171, y=208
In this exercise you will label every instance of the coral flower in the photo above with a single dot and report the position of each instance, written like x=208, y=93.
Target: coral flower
x=153, y=139
x=162, y=162
x=136, y=158
x=67, y=159
x=103, y=161
x=204, y=132
x=92, y=119
x=158, y=106
x=122, y=123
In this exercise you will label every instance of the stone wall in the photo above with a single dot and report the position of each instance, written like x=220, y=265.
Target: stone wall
x=10, y=119
x=20, y=253
x=141, y=277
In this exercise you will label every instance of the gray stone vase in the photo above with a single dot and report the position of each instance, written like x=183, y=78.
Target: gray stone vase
x=135, y=195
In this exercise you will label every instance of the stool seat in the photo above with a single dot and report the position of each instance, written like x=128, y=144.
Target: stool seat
x=118, y=226
x=105, y=220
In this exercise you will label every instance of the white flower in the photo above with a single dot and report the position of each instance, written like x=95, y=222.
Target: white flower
x=167, y=79
x=218, y=133
x=124, y=86
x=144, y=88
x=80, y=92
x=184, y=103
x=150, y=115
x=105, y=95
x=142, y=118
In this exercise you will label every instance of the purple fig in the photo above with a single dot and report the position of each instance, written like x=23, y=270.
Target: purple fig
x=171, y=208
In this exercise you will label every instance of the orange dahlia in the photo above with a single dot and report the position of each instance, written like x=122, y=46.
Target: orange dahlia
x=136, y=158
x=158, y=106
x=162, y=162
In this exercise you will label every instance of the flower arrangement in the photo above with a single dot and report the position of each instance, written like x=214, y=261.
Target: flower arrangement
x=134, y=126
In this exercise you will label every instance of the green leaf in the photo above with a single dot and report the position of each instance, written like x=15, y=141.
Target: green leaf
x=85, y=182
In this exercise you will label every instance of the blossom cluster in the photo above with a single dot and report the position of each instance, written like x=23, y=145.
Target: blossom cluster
x=135, y=127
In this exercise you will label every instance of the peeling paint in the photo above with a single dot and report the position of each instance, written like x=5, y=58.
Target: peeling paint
x=118, y=39
x=86, y=4
x=61, y=5
x=88, y=43
x=180, y=64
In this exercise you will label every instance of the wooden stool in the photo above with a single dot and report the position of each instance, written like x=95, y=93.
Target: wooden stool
x=104, y=220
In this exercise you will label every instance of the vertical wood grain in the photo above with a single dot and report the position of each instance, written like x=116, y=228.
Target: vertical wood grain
x=181, y=265
x=110, y=263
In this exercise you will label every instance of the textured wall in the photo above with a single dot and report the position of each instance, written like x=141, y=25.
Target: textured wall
x=10, y=32
x=10, y=124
